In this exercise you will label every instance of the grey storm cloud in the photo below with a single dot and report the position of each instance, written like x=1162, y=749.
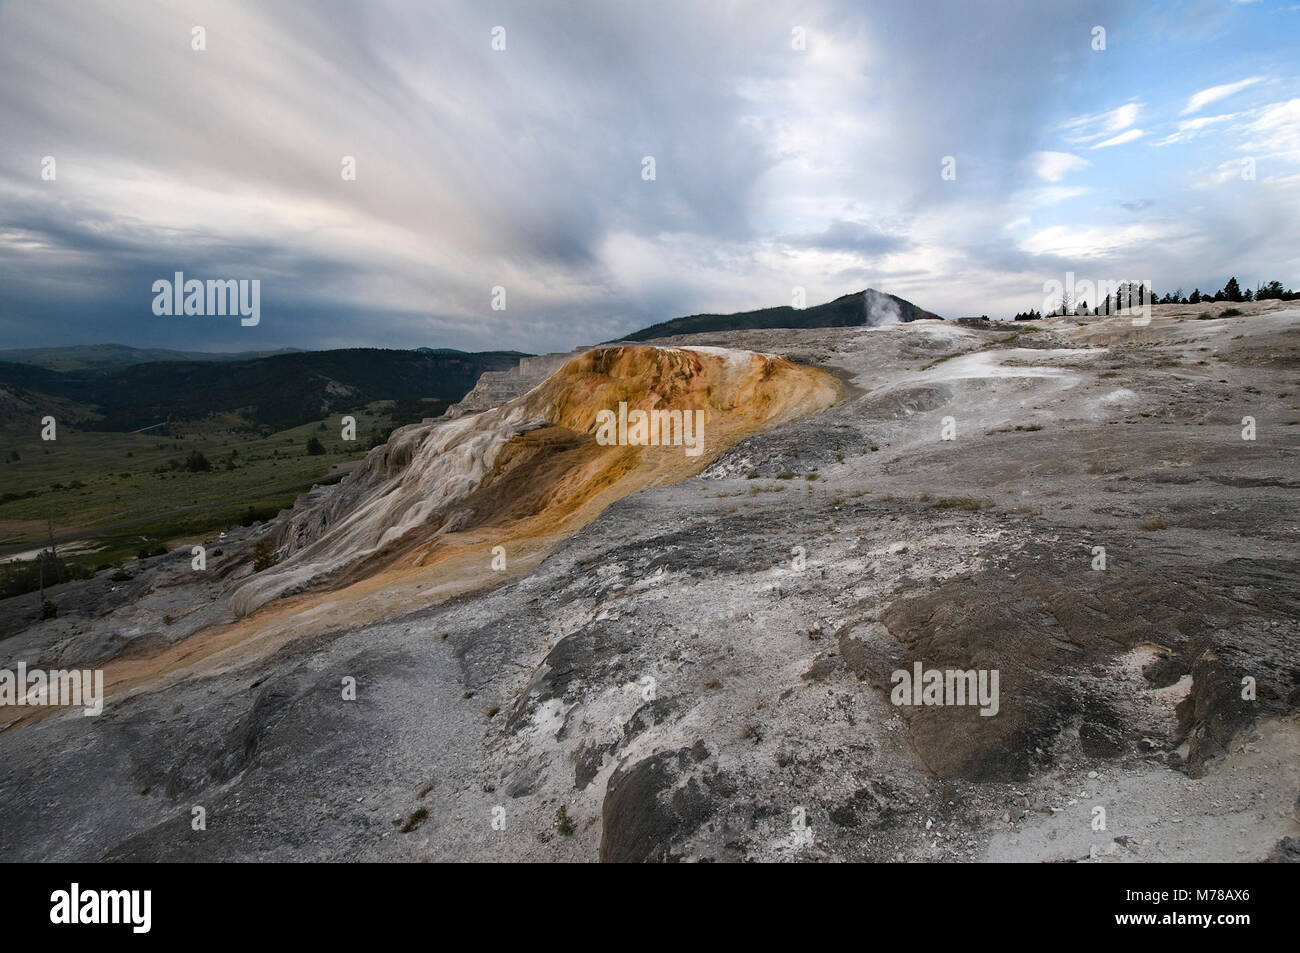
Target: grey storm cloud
x=860, y=238
x=519, y=168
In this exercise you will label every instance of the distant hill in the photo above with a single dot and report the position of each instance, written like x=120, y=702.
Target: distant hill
x=279, y=391
x=852, y=310
x=79, y=356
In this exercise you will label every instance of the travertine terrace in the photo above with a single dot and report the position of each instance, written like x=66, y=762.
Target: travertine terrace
x=681, y=652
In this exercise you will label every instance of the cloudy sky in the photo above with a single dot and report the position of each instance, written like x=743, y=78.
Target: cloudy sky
x=775, y=167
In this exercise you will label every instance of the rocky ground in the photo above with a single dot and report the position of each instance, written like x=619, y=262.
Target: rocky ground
x=703, y=672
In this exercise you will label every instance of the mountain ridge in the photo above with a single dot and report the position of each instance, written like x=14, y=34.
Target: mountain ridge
x=860, y=308
x=278, y=391
x=84, y=356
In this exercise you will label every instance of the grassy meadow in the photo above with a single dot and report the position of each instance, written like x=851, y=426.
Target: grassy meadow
x=116, y=493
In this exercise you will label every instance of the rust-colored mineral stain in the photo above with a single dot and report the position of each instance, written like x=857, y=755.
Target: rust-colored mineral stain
x=544, y=486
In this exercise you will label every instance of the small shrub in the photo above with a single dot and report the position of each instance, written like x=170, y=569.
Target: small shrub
x=968, y=503
x=263, y=557
x=49, y=610
x=563, y=824
x=1154, y=523
x=418, y=817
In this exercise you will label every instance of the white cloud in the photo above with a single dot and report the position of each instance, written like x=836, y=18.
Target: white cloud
x=1188, y=128
x=1093, y=241
x=1119, y=140
x=1227, y=171
x=1050, y=195
x=1054, y=166
x=1098, y=125
x=1215, y=93
x=1275, y=131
